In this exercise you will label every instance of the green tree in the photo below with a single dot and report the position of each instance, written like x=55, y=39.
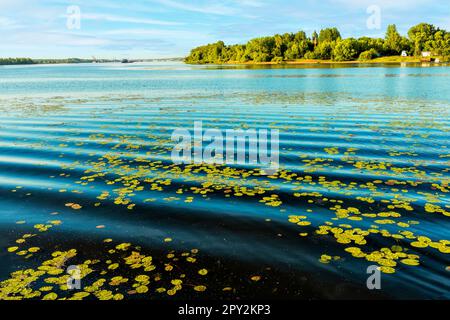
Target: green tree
x=419, y=36
x=16, y=61
x=211, y=53
x=310, y=55
x=440, y=44
x=324, y=50
x=297, y=46
x=329, y=34
x=345, y=50
x=315, y=39
x=368, y=55
x=260, y=49
x=366, y=43
x=279, y=47
x=393, y=41
x=296, y=50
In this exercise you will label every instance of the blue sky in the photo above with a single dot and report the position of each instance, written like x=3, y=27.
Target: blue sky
x=170, y=28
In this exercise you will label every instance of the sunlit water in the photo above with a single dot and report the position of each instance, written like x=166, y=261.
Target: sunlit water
x=362, y=149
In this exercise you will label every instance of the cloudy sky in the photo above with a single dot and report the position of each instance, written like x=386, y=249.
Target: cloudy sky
x=170, y=28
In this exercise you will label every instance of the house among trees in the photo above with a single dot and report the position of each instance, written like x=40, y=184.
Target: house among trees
x=427, y=56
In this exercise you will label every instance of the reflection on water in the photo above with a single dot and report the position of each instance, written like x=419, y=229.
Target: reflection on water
x=86, y=179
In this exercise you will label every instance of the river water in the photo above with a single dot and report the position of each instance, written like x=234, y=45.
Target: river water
x=363, y=180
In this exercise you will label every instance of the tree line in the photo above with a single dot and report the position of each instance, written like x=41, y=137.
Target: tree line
x=11, y=61
x=326, y=45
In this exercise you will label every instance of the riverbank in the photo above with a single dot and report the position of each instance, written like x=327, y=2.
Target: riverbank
x=382, y=60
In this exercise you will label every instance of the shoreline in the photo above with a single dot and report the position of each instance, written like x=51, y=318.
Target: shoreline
x=303, y=62
x=379, y=61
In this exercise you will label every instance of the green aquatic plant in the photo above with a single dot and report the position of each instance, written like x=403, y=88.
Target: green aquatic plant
x=103, y=277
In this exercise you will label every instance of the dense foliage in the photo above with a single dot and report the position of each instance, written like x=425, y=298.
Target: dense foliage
x=56, y=61
x=10, y=61
x=327, y=45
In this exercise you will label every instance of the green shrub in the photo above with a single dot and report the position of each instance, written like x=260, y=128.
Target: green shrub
x=277, y=59
x=345, y=50
x=368, y=55
x=310, y=55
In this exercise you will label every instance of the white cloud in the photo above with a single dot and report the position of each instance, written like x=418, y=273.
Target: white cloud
x=218, y=9
x=385, y=4
x=6, y=22
x=12, y=4
x=75, y=39
x=159, y=33
x=51, y=38
x=116, y=18
x=250, y=3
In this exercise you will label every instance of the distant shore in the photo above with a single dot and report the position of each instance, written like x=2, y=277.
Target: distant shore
x=29, y=61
